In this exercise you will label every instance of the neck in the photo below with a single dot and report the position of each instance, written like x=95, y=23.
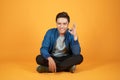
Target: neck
x=62, y=34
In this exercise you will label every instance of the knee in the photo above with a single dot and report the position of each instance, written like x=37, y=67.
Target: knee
x=39, y=59
x=80, y=58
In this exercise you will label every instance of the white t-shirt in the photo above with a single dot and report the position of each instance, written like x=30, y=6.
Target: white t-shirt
x=59, y=49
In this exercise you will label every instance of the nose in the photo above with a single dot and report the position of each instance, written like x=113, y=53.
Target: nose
x=62, y=26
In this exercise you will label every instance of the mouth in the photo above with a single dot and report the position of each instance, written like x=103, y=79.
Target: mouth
x=61, y=29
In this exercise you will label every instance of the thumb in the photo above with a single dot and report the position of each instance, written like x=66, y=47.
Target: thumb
x=71, y=31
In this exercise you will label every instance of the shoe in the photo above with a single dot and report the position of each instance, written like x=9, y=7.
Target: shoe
x=72, y=69
x=42, y=69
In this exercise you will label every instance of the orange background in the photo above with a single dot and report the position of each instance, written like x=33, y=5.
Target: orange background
x=23, y=24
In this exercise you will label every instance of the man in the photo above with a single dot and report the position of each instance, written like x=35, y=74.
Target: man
x=60, y=49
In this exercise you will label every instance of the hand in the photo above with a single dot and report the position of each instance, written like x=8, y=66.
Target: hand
x=73, y=32
x=52, y=64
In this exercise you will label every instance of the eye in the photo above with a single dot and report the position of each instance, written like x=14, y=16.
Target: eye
x=64, y=23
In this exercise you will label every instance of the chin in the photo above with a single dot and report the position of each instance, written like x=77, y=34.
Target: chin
x=62, y=32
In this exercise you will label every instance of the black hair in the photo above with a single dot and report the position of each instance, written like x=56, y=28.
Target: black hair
x=63, y=15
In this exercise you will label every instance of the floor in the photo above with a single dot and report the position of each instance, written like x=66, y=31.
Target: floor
x=16, y=70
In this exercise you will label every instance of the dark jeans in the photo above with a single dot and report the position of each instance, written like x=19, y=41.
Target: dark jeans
x=62, y=63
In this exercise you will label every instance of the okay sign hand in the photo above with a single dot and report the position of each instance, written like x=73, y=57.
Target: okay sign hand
x=73, y=32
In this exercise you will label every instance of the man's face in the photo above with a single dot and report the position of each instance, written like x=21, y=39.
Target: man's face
x=62, y=25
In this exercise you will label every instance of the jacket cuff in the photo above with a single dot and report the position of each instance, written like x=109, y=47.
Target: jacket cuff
x=76, y=42
x=45, y=56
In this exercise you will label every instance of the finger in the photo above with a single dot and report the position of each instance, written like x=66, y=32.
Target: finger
x=74, y=26
x=70, y=31
x=50, y=69
x=55, y=68
x=52, y=65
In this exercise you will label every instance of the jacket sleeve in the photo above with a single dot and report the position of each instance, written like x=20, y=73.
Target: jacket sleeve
x=45, y=45
x=75, y=46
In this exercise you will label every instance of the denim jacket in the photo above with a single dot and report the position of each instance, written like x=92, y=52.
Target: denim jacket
x=49, y=41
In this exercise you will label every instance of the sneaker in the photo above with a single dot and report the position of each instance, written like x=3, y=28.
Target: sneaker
x=42, y=69
x=72, y=69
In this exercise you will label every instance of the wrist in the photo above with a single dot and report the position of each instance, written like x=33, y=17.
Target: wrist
x=75, y=37
x=49, y=58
